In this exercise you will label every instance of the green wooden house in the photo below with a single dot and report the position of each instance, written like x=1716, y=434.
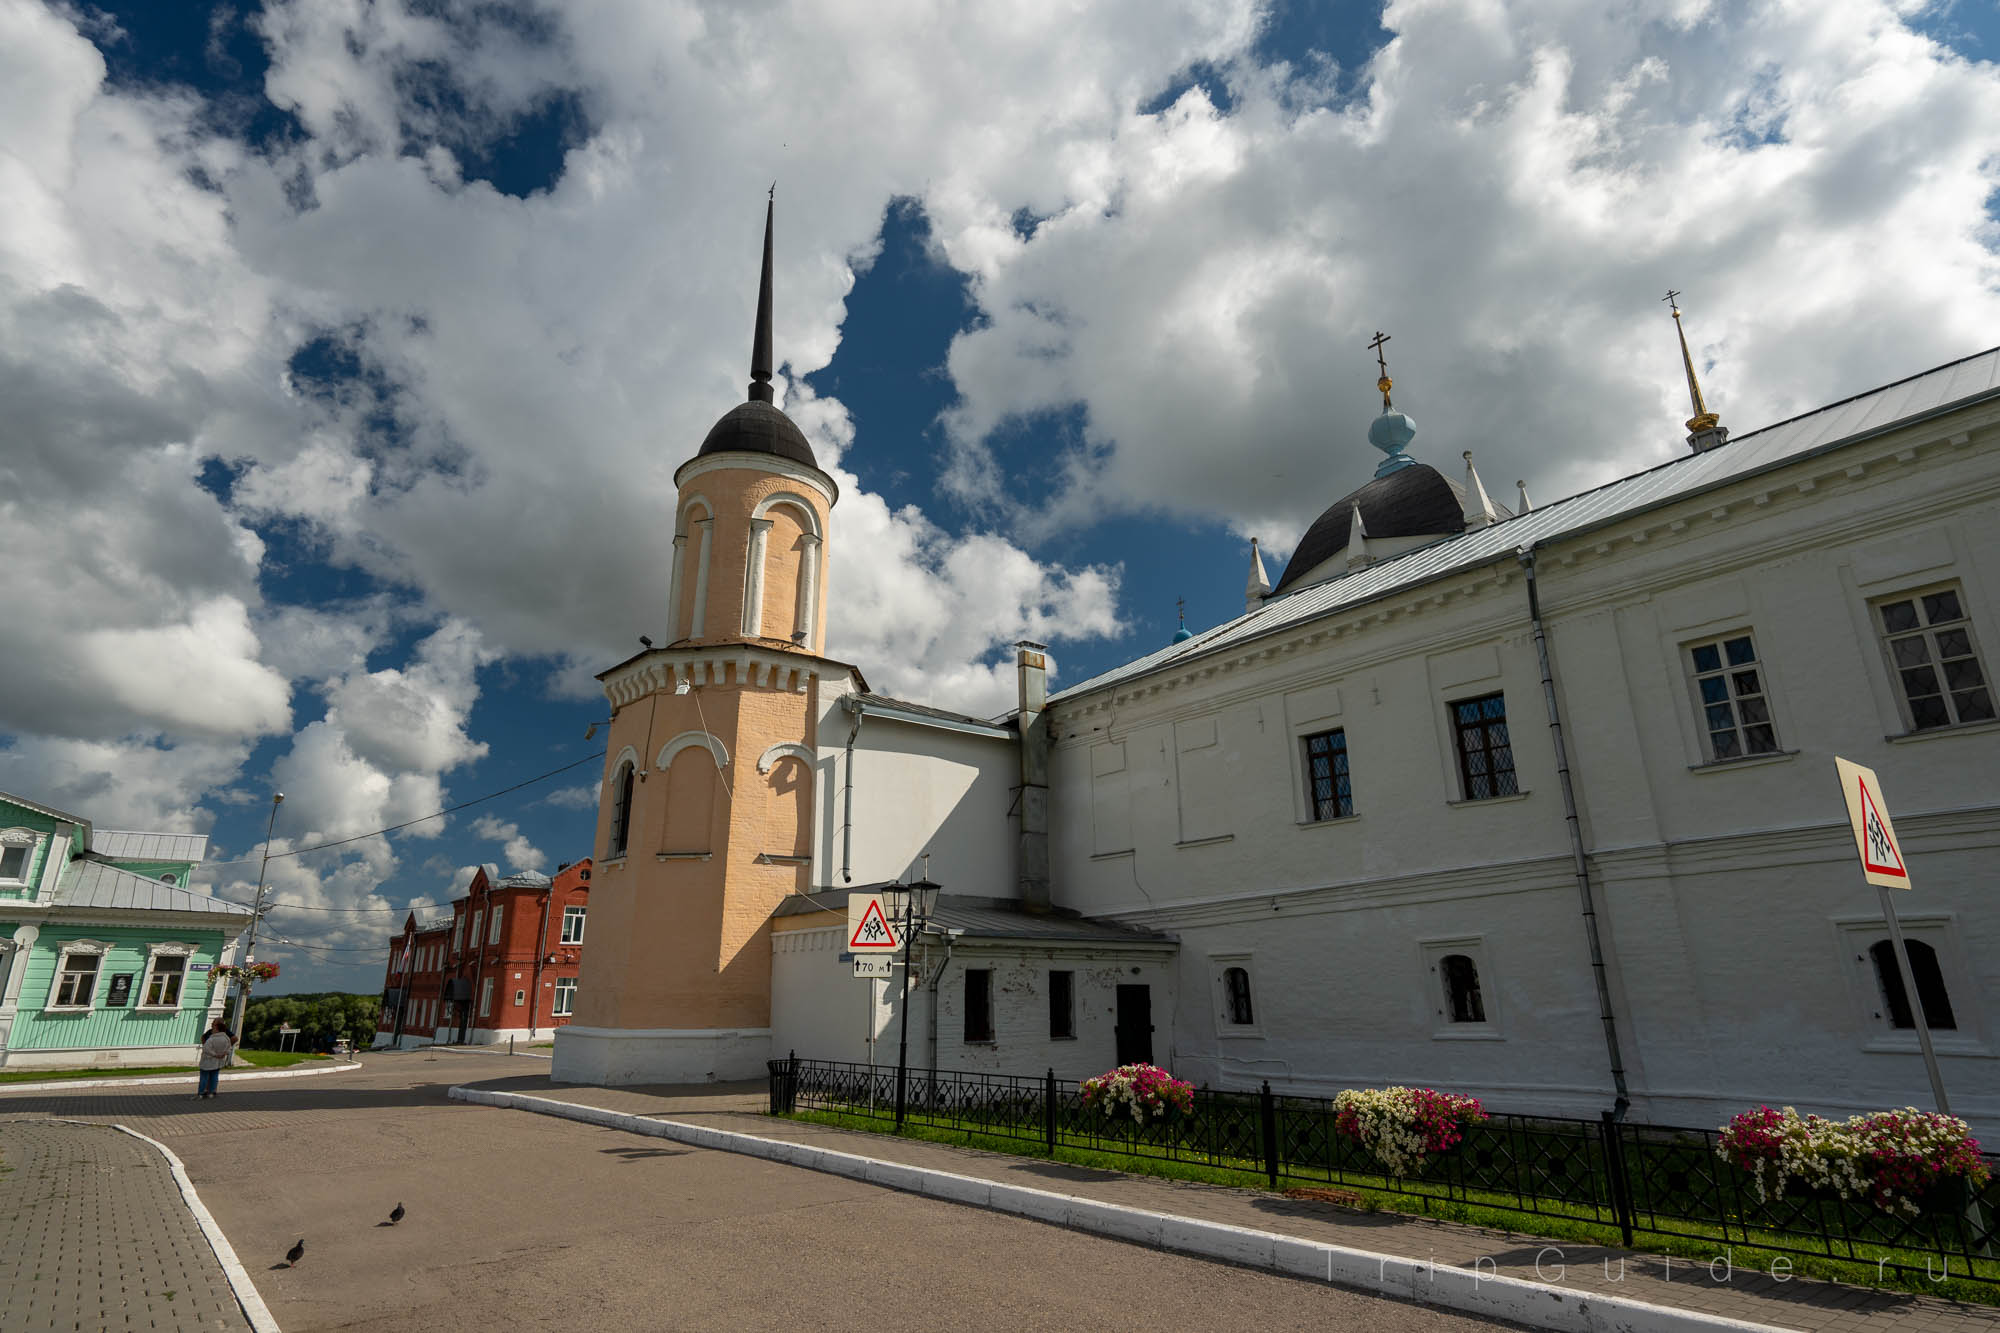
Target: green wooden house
x=105, y=949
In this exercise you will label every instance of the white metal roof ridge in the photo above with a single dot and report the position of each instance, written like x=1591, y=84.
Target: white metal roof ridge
x=132, y=845
x=95, y=885
x=1952, y=385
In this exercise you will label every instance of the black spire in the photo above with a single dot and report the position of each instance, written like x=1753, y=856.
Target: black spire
x=760, y=347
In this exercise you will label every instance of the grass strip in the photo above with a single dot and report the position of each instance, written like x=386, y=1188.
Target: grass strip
x=1979, y=1289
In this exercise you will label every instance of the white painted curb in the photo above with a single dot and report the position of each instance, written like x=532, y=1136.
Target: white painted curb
x=253, y=1305
x=1469, y=1291
x=170, y=1080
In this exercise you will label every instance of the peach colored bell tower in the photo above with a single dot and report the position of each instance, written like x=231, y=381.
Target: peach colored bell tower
x=705, y=822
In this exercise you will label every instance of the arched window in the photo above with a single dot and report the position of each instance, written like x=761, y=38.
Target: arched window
x=1461, y=989
x=1236, y=987
x=621, y=813
x=1923, y=961
x=692, y=779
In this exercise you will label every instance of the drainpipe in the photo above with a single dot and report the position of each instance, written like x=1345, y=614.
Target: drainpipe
x=1526, y=555
x=950, y=938
x=852, y=705
x=541, y=952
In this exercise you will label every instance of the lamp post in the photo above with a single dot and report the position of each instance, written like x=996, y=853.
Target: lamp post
x=256, y=915
x=919, y=901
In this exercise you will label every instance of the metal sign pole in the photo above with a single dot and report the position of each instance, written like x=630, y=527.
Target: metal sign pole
x=1916, y=1002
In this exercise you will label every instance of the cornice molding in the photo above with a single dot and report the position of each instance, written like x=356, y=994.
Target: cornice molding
x=723, y=664
x=769, y=464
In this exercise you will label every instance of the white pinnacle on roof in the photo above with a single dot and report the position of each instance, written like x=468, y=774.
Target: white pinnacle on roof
x=1479, y=510
x=1358, y=554
x=1521, y=504
x=1259, y=585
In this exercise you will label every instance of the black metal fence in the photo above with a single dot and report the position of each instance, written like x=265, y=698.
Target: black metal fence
x=1645, y=1180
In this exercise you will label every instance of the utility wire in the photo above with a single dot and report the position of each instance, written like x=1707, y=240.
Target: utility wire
x=450, y=809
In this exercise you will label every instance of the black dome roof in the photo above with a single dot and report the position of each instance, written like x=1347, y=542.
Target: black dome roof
x=1413, y=501
x=760, y=428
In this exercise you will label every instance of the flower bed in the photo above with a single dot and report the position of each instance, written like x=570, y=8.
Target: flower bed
x=1144, y=1092
x=1405, y=1127
x=1893, y=1159
x=247, y=973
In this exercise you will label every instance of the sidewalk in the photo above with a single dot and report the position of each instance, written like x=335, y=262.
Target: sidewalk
x=1754, y=1297
x=94, y=1234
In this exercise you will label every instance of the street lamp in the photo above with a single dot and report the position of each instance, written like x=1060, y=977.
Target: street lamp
x=256, y=915
x=919, y=901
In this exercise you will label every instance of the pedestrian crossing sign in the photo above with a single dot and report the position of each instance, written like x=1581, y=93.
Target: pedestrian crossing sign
x=868, y=927
x=1874, y=836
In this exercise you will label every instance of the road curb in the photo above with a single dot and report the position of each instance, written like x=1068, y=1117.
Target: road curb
x=170, y=1080
x=245, y=1290
x=1467, y=1291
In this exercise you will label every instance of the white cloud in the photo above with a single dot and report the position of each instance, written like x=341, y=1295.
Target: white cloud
x=520, y=853
x=575, y=798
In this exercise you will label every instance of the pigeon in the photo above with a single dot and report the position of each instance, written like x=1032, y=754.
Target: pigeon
x=296, y=1253
x=396, y=1216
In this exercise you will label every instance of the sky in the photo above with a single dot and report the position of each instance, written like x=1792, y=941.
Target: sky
x=347, y=348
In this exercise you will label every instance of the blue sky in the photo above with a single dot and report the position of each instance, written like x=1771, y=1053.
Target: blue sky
x=355, y=343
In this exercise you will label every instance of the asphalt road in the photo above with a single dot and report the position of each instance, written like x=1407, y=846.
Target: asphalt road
x=517, y=1221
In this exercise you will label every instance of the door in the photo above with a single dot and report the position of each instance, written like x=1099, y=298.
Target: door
x=1135, y=1025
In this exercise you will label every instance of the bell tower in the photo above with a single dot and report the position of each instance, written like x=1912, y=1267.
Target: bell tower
x=705, y=822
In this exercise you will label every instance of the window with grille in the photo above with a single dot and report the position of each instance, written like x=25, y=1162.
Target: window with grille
x=621, y=813
x=1934, y=659
x=1236, y=991
x=1329, y=787
x=1461, y=989
x=1062, y=1006
x=1730, y=690
x=1929, y=978
x=1485, y=756
x=565, y=997
x=979, y=1004
x=572, y=926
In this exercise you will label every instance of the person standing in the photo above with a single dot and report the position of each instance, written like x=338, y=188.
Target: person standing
x=215, y=1049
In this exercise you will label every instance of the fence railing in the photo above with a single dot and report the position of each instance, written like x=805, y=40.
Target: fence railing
x=1645, y=1180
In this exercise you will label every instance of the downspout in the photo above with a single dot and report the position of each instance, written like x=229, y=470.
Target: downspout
x=1526, y=555
x=936, y=977
x=852, y=705
x=541, y=952
x=478, y=970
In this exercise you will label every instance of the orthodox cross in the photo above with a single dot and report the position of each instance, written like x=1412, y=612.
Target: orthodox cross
x=1382, y=385
x=1180, y=604
x=1671, y=298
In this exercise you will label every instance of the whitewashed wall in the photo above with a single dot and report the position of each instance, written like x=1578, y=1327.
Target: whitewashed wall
x=1731, y=906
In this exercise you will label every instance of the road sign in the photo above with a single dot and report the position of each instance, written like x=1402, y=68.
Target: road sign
x=875, y=967
x=869, y=929
x=1874, y=836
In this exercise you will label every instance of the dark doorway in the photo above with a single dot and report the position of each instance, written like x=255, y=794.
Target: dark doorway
x=1135, y=1025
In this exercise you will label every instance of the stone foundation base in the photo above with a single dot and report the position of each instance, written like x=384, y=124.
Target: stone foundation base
x=614, y=1056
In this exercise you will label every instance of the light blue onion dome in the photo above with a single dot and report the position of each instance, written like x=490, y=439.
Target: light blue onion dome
x=1183, y=634
x=1390, y=433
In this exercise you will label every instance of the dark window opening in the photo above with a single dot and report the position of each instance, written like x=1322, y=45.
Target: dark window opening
x=1923, y=964
x=1236, y=986
x=1461, y=989
x=621, y=814
x=1328, y=784
x=1485, y=756
x=1062, y=1006
x=979, y=1004
x=1935, y=660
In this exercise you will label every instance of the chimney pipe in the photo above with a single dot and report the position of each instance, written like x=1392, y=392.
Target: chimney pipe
x=1032, y=848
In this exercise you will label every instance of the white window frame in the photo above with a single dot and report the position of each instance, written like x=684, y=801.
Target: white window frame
x=486, y=997
x=166, y=949
x=1926, y=631
x=493, y=923
x=1437, y=997
x=565, y=1001
x=25, y=839
x=520, y=997
x=1218, y=970
x=97, y=949
x=573, y=914
x=478, y=924
x=458, y=932
x=1727, y=673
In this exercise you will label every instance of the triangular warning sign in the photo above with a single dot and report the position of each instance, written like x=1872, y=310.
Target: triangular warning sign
x=1874, y=836
x=872, y=932
x=1879, y=852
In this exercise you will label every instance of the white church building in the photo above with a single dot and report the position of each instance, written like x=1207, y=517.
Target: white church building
x=1538, y=806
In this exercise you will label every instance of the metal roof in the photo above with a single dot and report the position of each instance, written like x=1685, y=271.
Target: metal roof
x=94, y=884
x=41, y=809
x=902, y=710
x=984, y=918
x=123, y=845
x=1956, y=384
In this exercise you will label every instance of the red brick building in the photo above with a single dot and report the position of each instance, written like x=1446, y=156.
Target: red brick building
x=502, y=964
